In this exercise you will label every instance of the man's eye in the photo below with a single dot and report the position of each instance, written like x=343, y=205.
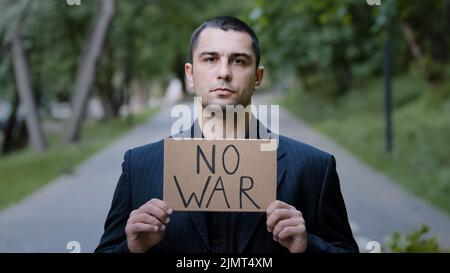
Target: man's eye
x=209, y=59
x=238, y=61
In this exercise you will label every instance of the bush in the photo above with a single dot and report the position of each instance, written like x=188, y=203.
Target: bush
x=417, y=241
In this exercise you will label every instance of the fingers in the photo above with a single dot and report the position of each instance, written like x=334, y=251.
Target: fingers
x=140, y=227
x=290, y=222
x=156, y=208
x=287, y=226
x=279, y=214
x=277, y=204
x=154, y=211
x=147, y=219
x=161, y=204
x=291, y=231
x=150, y=217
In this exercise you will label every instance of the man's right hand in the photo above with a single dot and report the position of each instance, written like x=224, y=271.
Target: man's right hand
x=146, y=225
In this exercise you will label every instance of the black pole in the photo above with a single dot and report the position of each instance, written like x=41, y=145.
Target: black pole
x=388, y=90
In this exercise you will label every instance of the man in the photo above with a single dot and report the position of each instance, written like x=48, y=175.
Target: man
x=309, y=214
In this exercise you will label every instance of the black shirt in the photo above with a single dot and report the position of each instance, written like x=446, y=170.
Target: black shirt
x=222, y=231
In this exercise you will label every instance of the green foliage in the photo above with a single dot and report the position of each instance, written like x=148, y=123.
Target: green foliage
x=326, y=37
x=53, y=36
x=147, y=38
x=345, y=39
x=421, y=130
x=417, y=241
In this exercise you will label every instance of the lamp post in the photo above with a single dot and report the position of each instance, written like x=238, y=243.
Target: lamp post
x=388, y=90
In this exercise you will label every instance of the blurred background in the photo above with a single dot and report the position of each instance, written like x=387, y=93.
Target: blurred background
x=82, y=81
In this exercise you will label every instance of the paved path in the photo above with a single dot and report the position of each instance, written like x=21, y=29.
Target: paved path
x=73, y=208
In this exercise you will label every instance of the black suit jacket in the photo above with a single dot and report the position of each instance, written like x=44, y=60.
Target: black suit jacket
x=306, y=179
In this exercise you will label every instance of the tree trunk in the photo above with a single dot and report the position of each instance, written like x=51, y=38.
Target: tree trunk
x=110, y=97
x=86, y=72
x=445, y=28
x=343, y=76
x=23, y=84
x=15, y=134
x=439, y=52
x=413, y=45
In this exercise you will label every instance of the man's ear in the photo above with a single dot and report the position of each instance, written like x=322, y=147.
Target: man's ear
x=188, y=70
x=259, y=76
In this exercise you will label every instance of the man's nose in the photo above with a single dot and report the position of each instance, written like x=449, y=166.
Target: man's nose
x=224, y=72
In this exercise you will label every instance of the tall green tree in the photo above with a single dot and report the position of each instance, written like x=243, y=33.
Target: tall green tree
x=86, y=72
x=22, y=74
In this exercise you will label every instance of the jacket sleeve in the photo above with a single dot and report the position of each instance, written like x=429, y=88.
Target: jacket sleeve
x=114, y=237
x=333, y=232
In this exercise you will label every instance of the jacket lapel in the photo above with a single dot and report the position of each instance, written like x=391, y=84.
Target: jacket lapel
x=249, y=221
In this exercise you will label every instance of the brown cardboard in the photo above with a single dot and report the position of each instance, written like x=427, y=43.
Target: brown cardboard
x=223, y=189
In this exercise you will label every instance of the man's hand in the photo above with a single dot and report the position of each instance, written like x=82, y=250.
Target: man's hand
x=287, y=226
x=146, y=225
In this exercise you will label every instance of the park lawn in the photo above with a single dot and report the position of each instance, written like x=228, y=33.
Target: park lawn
x=420, y=161
x=24, y=172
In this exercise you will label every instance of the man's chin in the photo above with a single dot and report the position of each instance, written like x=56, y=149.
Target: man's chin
x=222, y=103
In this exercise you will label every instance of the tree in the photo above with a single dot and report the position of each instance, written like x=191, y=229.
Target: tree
x=421, y=32
x=86, y=73
x=427, y=39
x=25, y=92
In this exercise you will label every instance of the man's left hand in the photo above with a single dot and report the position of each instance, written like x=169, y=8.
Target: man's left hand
x=287, y=226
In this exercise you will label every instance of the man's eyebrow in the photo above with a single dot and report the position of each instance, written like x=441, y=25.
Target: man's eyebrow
x=208, y=53
x=241, y=54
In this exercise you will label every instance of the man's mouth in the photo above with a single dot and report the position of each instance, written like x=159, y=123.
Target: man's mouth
x=223, y=91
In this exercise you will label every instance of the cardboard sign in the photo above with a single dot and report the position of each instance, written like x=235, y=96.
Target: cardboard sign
x=218, y=175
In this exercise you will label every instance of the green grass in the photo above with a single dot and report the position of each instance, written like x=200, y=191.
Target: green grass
x=24, y=172
x=420, y=161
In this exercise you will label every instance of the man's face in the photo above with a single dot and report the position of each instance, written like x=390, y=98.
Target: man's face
x=223, y=69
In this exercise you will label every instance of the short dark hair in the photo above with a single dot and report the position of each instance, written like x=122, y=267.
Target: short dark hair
x=225, y=23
